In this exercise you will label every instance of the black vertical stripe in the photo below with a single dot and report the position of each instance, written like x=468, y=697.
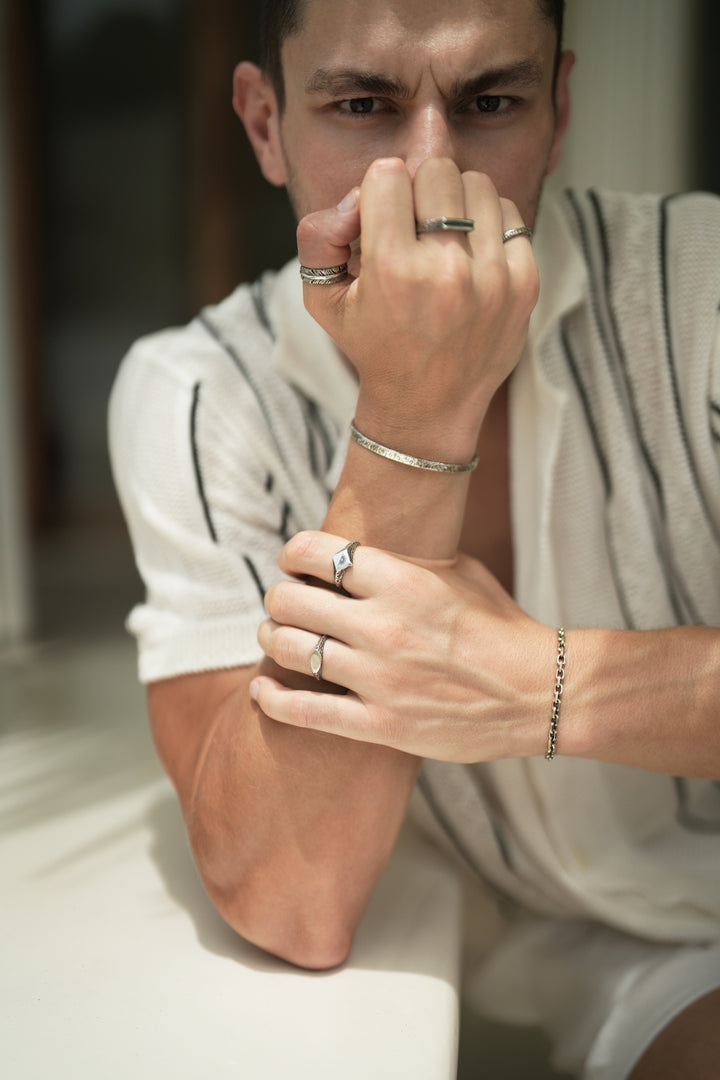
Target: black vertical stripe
x=244, y=371
x=602, y=302
x=582, y=393
x=255, y=576
x=196, y=462
x=619, y=350
x=672, y=367
x=312, y=455
x=574, y=368
x=316, y=419
x=446, y=823
x=592, y=280
x=687, y=817
x=258, y=298
x=284, y=523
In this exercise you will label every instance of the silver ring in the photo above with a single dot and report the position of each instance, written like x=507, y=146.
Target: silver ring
x=445, y=224
x=316, y=657
x=342, y=561
x=323, y=275
x=522, y=230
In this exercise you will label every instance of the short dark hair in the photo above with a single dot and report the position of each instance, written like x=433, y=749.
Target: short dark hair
x=280, y=19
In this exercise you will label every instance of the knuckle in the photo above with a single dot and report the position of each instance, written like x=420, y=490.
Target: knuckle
x=529, y=285
x=310, y=231
x=480, y=183
x=436, y=167
x=495, y=285
x=455, y=267
x=270, y=599
x=300, y=711
x=273, y=600
x=299, y=548
x=281, y=645
x=391, y=634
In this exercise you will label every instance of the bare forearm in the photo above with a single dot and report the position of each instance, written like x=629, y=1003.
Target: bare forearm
x=408, y=511
x=291, y=829
x=645, y=698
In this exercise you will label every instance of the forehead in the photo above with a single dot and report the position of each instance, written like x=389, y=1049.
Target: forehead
x=450, y=33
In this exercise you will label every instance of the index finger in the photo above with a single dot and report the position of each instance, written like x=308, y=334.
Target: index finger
x=387, y=209
x=310, y=554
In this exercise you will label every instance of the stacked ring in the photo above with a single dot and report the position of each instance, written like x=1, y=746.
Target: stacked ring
x=323, y=275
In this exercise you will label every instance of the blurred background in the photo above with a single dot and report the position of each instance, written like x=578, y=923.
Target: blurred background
x=128, y=199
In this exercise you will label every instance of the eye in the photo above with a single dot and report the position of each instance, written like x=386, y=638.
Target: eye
x=362, y=106
x=487, y=103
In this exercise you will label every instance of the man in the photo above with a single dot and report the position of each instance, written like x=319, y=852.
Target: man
x=386, y=120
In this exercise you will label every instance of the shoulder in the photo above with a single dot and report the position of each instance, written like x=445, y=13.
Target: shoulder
x=222, y=358
x=182, y=355
x=629, y=228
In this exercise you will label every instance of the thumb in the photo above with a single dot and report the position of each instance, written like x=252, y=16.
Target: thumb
x=324, y=238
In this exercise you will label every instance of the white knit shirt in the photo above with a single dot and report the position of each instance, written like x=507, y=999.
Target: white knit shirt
x=228, y=436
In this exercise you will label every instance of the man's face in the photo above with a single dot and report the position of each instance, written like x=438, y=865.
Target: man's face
x=466, y=79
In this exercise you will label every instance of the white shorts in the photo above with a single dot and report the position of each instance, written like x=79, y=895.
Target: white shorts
x=600, y=995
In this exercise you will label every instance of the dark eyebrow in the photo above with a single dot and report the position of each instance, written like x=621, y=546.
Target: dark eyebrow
x=347, y=82
x=526, y=74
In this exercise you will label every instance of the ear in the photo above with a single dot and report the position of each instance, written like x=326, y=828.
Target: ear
x=255, y=102
x=562, y=108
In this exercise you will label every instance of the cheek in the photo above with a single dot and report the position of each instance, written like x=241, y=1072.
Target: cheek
x=321, y=170
x=518, y=170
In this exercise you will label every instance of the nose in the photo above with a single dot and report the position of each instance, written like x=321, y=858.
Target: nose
x=428, y=135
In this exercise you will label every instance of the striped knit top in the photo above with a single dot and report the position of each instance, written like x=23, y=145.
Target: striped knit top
x=228, y=435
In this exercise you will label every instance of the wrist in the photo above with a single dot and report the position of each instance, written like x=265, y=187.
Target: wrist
x=448, y=437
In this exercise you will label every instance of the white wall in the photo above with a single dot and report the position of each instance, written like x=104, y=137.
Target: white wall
x=14, y=591
x=632, y=90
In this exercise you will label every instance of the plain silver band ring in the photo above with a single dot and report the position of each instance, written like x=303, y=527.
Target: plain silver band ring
x=323, y=275
x=445, y=224
x=342, y=561
x=522, y=230
x=316, y=657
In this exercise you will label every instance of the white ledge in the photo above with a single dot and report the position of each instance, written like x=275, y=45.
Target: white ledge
x=115, y=964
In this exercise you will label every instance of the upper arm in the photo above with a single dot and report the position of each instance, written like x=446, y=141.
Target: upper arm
x=182, y=712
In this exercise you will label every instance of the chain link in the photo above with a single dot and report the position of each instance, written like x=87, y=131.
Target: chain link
x=557, y=696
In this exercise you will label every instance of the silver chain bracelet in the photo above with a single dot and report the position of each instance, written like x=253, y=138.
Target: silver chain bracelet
x=557, y=696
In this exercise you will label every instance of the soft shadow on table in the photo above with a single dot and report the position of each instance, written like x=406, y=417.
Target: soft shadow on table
x=170, y=852
x=379, y=948
x=486, y=1048
x=73, y=731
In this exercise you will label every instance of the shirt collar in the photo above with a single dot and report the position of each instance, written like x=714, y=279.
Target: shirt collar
x=563, y=274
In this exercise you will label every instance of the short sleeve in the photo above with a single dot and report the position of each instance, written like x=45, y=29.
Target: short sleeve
x=207, y=499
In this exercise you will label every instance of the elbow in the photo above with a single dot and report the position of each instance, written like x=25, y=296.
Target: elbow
x=285, y=930
x=321, y=951
x=312, y=931
x=304, y=915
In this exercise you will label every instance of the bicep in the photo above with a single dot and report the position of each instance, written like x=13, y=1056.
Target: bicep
x=182, y=712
